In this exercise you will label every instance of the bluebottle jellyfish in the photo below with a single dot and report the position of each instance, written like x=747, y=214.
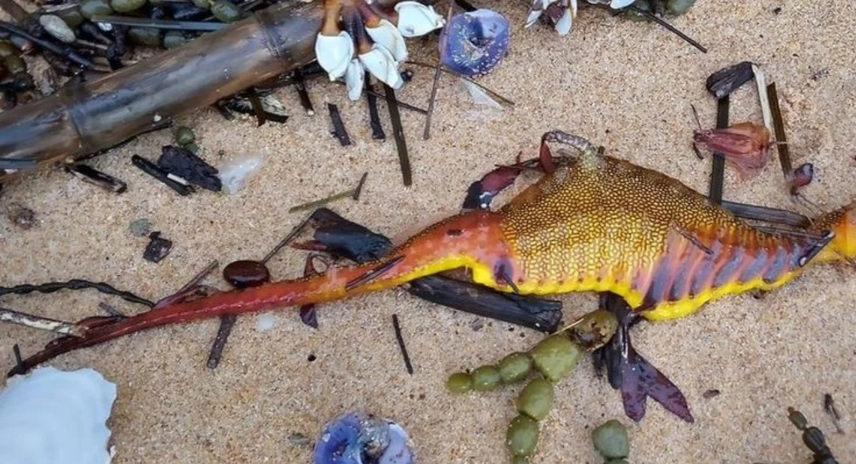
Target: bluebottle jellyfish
x=473, y=43
x=357, y=438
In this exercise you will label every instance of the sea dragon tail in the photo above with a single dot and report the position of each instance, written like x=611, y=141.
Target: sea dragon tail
x=446, y=245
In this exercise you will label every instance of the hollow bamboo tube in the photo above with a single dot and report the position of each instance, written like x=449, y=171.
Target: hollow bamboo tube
x=94, y=116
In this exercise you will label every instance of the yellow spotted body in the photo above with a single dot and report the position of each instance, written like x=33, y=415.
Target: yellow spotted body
x=607, y=225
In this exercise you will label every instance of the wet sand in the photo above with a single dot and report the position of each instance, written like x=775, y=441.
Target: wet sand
x=625, y=85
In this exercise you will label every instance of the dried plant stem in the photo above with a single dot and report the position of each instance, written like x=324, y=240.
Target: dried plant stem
x=40, y=323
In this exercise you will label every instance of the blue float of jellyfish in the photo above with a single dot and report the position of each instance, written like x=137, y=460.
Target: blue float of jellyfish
x=357, y=438
x=474, y=42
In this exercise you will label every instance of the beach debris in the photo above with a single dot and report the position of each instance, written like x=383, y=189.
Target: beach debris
x=21, y=216
x=180, y=186
x=338, y=126
x=40, y=323
x=611, y=440
x=227, y=322
x=265, y=322
x=75, y=284
x=812, y=437
x=802, y=176
x=729, y=79
x=398, y=135
x=709, y=394
x=95, y=177
x=353, y=193
x=184, y=164
x=832, y=411
x=744, y=145
x=51, y=413
x=140, y=227
x=360, y=438
x=374, y=117
x=158, y=248
x=559, y=13
x=401, y=346
x=308, y=315
x=473, y=43
x=246, y=273
x=184, y=136
x=551, y=360
x=239, y=171
x=356, y=38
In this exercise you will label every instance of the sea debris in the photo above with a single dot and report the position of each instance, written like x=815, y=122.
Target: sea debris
x=360, y=438
x=239, y=171
x=812, y=437
x=832, y=411
x=179, y=186
x=551, y=360
x=611, y=440
x=140, y=227
x=356, y=38
x=93, y=176
x=744, y=145
x=801, y=177
x=473, y=43
x=158, y=248
x=182, y=163
x=338, y=126
x=51, y=413
x=353, y=193
x=21, y=216
x=729, y=79
x=401, y=346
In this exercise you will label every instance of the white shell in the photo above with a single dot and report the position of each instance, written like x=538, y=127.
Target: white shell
x=618, y=4
x=388, y=36
x=52, y=416
x=334, y=53
x=416, y=19
x=355, y=78
x=563, y=25
x=381, y=65
x=55, y=26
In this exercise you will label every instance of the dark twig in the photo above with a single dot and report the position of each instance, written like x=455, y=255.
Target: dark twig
x=374, y=118
x=717, y=174
x=288, y=238
x=75, y=284
x=779, y=125
x=257, y=105
x=829, y=407
x=353, y=193
x=66, y=52
x=397, y=327
x=300, y=85
x=19, y=362
x=434, y=84
x=199, y=276
x=93, y=176
x=398, y=134
x=338, y=126
x=493, y=94
x=160, y=23
x=668, y=27
x=223, y=332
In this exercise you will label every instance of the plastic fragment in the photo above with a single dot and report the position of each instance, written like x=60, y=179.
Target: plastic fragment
x=238, y=172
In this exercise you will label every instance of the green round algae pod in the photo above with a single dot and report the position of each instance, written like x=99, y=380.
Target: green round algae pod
x=126, y=6
x=486, y=378
x=520, y=460
x=226, y=11
x=459, y=382
x=536, y=399
x=90, y=8
x=184, y=135
x=522, y=435
x=555, y=356
x=514, y=367
x=611, y=440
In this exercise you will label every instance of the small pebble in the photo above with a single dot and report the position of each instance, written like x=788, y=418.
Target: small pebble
x=611, y=440
x=55, y=26
x=7, y=49
x=184, y=135
x=712, y=393
x=204, y=4
x=175, y=39
x=90, y=8
x=140, y=227
x=246, y=273
x=127, y=6
x=299, y=439
x=226, y=11
x=23, y=217
x=145, y=36
x=265, y=322
x=72, y=16
x=157, y=249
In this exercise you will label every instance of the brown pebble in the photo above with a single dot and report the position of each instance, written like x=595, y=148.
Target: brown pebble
x=246, y=273
x=711, y=394
x=23, y=217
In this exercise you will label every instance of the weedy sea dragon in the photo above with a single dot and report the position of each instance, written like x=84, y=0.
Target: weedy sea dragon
x=591, y=223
